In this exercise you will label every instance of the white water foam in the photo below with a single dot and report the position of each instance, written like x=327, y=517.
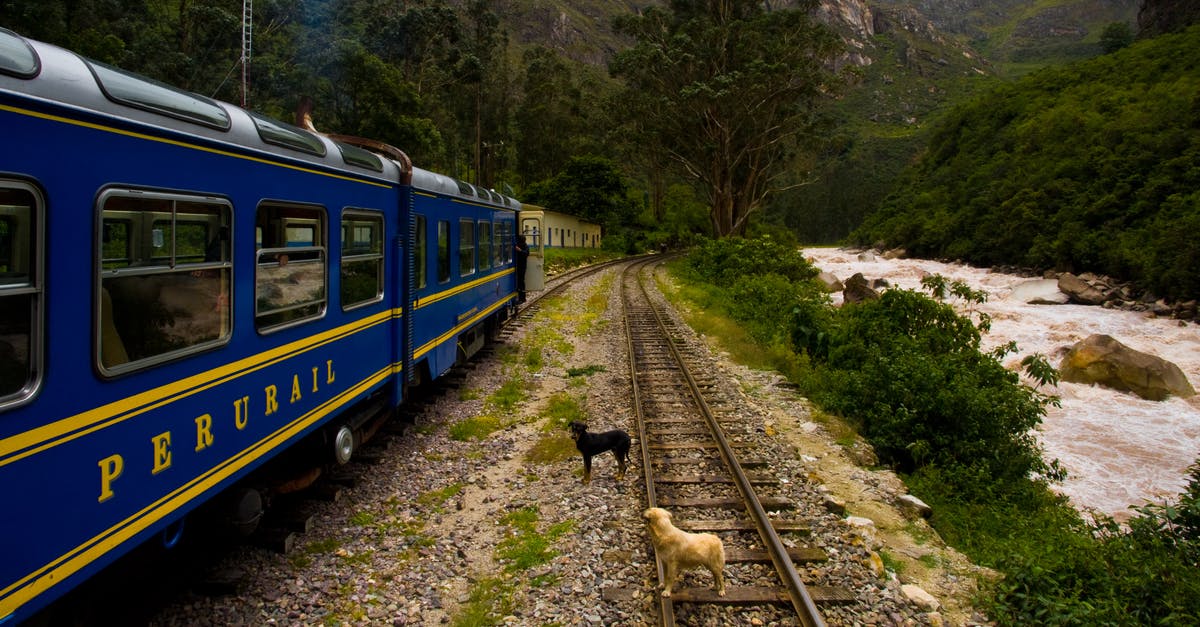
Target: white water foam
x=1120, y=451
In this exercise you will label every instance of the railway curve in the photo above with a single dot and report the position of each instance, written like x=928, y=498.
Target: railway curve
x=415, y=534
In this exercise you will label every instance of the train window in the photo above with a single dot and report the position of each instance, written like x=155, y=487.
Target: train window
x=16, y=56
x=362, y=258
x=354, y=155
x=289, y=273
x=288, y=136
x=138, y=91
x=465, y=188
x=443, y=251
x=419, y=254
x=20, y=292
x=466, y=247
x=485, y=245
x=498, y=245
x=165, y=277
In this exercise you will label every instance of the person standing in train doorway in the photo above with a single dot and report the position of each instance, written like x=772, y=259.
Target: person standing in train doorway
x=521, y=248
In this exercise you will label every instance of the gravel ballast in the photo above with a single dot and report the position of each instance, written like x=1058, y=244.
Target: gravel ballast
x=421, y=536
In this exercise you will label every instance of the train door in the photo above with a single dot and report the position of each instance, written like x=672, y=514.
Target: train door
x=533, y=227
x=409, y=280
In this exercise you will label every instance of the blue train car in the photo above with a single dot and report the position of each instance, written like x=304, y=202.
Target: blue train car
x=188, y=289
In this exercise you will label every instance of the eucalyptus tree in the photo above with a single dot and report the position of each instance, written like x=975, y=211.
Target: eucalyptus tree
x=728, y=89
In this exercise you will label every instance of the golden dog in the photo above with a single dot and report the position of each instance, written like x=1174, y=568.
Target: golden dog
x=680, y=550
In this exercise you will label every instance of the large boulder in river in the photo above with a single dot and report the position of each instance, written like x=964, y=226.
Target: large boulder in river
x=830, y=281
x=1080, y=291
x=1103, y=360
x=857, y=290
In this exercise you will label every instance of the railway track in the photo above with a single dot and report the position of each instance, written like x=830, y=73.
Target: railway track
x=686, y=473
x=695, y=468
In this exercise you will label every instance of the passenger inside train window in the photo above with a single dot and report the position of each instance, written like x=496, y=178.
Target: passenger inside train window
x=161, y=295
x=290, y=273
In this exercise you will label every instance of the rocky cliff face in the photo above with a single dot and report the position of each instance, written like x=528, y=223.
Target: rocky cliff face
x=1023, y=31
x=854, y=19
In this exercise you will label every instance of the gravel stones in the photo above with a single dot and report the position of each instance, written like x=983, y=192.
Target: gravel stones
x=416, y=537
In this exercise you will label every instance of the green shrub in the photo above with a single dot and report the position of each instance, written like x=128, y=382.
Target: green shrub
x=907, y=372
x=722, y=261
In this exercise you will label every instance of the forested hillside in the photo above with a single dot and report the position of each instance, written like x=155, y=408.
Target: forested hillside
x=1089, y=167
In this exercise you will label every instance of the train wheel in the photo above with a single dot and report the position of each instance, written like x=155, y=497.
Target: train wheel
x=343, y=444
x=246, y=509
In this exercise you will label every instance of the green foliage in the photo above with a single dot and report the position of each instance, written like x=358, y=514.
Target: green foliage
x=723, y=261
x=907, y=371
x=756, y=282
x=1060, y=570
x=475, y=427
x=554, y=444
x=508, y=395
x=585, y=371
x=590, y=188
x=490, y=599
x=1089, y=167
x=692, y=72
x=1115, y=36
x=561, y=410
x=524, y=547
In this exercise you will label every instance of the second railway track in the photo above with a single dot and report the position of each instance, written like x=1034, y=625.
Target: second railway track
x=697, y=466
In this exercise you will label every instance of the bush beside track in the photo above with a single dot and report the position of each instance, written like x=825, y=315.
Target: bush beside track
x=906, y=372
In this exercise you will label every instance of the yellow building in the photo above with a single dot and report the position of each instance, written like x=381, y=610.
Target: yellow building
x=561, y=230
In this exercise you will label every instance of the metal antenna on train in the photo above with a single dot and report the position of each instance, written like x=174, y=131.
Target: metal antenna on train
x=247, y=35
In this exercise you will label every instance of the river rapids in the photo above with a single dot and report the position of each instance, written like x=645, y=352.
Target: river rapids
x=1119, y=450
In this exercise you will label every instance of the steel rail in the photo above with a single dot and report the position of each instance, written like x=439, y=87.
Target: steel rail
x=801, y=601
x=666, y=608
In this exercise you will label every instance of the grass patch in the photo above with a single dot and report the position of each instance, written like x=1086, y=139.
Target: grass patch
x=597, y=304
x=555, y=445
x=491, y=598
x=524, y=547
x=494, y=597
x=508, y=354
x=533, y=359
x=510, y=394
x=468, y=394
x=317, y=547
x=437, y=498
x=559, y=260
x=475, y=428
x=551, y=448
x=891, y=563
x=585, y=371
x=561, y=410
x=706, y=313
x=548, y=338
x=362, y=519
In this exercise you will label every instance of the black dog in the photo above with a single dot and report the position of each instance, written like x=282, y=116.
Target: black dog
x=591, y=444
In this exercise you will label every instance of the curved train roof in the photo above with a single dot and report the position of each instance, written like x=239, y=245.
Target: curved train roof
x=47, y=74
x=442, y=184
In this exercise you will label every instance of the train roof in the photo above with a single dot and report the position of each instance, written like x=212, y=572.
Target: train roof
x=442, y=184
x=52, y=74
x=56, y=76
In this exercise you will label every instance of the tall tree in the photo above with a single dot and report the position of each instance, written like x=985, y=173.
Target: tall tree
x=728, y=88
